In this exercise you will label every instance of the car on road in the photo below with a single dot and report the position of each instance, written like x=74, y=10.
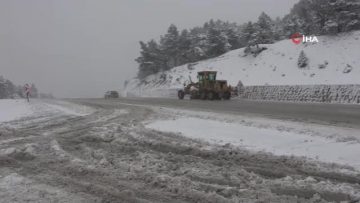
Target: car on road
x=111, y=95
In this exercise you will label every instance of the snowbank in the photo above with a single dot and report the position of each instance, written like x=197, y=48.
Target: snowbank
x=270, y=140
x=11, y=109
x=334, y=60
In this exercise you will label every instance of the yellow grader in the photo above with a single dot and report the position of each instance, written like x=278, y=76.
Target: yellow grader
x=207, y=87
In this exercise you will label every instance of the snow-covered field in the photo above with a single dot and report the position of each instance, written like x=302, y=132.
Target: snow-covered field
x=334, y=60
x=271, y=136
x=13, y=109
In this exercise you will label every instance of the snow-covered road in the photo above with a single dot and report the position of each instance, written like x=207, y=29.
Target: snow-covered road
x=95, y=150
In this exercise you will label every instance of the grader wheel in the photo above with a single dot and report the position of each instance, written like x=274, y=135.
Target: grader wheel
x=226, y=95
x=193, y=95
x=181, y=94
x=211, y=95
x=203, y=95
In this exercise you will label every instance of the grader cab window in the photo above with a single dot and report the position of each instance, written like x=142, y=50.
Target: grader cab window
x=212, y=77
x=201, y=77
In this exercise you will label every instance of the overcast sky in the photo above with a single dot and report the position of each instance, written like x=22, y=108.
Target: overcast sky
x=81, y=48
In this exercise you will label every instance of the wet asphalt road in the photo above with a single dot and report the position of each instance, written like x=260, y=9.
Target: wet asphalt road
x=327, y=114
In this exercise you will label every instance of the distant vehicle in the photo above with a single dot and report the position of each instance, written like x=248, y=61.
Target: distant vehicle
x=207, y=87
x=111, y=95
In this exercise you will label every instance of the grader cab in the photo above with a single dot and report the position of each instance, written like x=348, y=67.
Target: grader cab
x=207, y=87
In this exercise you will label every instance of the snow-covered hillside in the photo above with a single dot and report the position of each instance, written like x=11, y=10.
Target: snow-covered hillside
x=334, y=60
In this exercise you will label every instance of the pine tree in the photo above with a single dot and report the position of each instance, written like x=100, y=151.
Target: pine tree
x=10, y=89
x=278, y=30
x=325, y=17
x=211, y=24
x=247, y=33
x=331, y=27
x=144, y=69
x=152, y=59
x=347, y=15
x=217, y=42
x=170, y=45
x=198, y=45
x=303, y=60
x=304, y=17
x=3, y=90
x=184, y=47
x=264, y=30
x=233, y=38
x=7, y=88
